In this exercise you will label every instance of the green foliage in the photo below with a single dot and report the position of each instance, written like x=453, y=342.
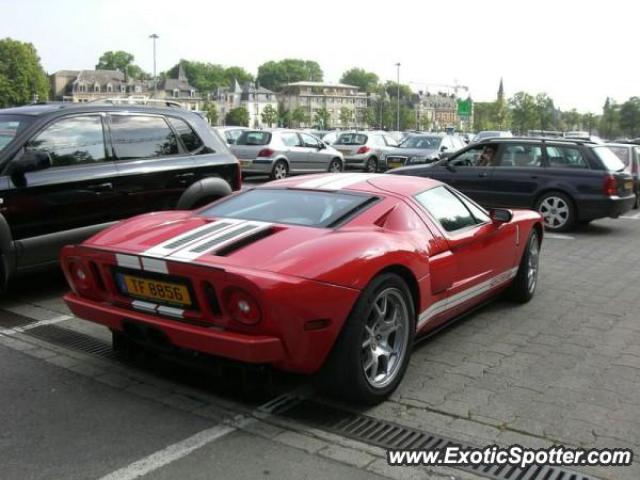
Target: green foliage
x=524, y=112
x=366, y=81
x=346, y=116
x=212, y=112
x=238, y=117
x=391, y=88
x=232, y=74
x=123, y=61
x=545, y=110
x=269, y=115
x=300, y=116
x=207, y=77
x=323, y=118
x=273, y=75
x=609, y=121
x=630, y=117
x=21, y=75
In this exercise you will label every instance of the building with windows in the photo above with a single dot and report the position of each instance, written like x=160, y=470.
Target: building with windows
x=345, y=104
x=178, y=90
x=252, y=97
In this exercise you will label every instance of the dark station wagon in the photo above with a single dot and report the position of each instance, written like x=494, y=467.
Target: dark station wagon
x=69, y=170
x=568, y=181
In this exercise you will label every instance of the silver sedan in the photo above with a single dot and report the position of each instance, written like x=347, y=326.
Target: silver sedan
x=279, y=153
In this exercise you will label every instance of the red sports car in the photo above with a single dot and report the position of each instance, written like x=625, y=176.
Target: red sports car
x=340, y=271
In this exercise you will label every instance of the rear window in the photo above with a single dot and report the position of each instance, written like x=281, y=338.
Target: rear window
x=297, y=207
x=254, y=138
x=622, y=153
x=609, y=159
x=189, y=138
x=9, y=127
x=351, y=139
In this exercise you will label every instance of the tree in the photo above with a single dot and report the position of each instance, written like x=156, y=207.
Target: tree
x=212, y=112
x=22, y=78
x=630, y=117
x=323, y=118
x=269, y=115
x=346, y=116
x=524, y=112
x=123, y=61
x=609, y=121
x=204, y=77
x=273, y=75
x=238, y=74
x=391, y=89
x=238, y=116
x=545, y=110
x=572, y=119
x=589, y=121
x=284, y=116
x=300, y=116
x=366, y=81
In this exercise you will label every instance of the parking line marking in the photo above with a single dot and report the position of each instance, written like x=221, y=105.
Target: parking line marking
x=13, y=331
x=558, y=236
x=635, y=216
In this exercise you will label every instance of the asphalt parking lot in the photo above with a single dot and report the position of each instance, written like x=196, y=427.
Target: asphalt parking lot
x=564, y=368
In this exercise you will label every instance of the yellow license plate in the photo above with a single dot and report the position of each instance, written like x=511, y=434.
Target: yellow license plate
x=395, y=164
x=246, y=163
x=163, y=292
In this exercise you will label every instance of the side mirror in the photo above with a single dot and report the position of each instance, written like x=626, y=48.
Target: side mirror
x=321, y=146
x=443, y=148
x=231, y=141
x=445, y=154
x=447, y=164
x=500, y=215
x=30, y=161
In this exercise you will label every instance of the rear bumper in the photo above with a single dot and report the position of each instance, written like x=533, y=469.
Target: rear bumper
x=245, y=348
x=606, y=207
x=258, y=166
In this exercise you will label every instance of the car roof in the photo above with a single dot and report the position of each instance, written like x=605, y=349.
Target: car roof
x=41, y=109
x=572, y=141
x=375, y=183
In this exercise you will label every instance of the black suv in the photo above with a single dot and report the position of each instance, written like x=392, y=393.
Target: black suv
x=69, y=170
x=569, y=182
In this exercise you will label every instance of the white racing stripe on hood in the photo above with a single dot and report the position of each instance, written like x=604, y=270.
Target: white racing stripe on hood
x=318, y=182
x=341, y=183
x=219, y=240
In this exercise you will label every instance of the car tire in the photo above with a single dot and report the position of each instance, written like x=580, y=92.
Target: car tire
x=526, y=280
x=636, y=204
x=557, y=210
x=372, y=165
x=335, y=166
x=372, y=351
x=280, y=170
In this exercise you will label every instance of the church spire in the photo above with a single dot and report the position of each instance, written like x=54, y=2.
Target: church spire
x=501, y=90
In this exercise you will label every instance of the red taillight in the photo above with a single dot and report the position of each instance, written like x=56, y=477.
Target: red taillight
x=78, y=275
x=242, y=307
x=610, y=186
x=363, y=149
x=265, y=152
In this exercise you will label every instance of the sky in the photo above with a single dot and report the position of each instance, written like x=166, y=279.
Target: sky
x=577, y=52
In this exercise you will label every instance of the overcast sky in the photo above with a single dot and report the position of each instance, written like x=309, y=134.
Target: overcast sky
x=578, y=53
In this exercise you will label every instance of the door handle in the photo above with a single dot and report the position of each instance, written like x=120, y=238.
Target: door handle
x=101, y=187
x=185, y=176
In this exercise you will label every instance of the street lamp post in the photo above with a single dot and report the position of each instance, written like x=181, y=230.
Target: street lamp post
x=154, y=36
x=398, y=93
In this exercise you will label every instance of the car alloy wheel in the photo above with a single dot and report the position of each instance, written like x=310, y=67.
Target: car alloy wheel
x=555, y=212
x=279, y=170
x=533, y=262
x=335, y=166
x=385, y=338
x=371, y=166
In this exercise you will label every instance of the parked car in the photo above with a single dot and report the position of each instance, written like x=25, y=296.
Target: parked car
x=365, y=150
x=279, y=153
x=486, y=134
x=569, y=182
x=68, y=171
x=422, y=148
x=336, y=272
x=629, y=154
x=230, y=134
x=331, y=137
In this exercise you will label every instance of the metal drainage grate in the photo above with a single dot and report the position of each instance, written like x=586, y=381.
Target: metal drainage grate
x=73, y=340
x=11, y=320
x=389, y=435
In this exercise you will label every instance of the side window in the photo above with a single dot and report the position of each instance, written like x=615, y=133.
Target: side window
x=469, y=158
x=565, y=157
x=378, y=141
x=141, y=136
x=291, y=140
x=446, y=208
x=72, y=141
x=190, y=139
x=520, y=155
x=390, y=141
x=309, y=141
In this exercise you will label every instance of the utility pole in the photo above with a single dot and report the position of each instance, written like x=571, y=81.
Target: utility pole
x=398, y=111
x=154, y=36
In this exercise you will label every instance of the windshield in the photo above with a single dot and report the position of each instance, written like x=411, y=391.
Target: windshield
x=253, y=138
x=351, y=139
x=297, y=207
x=427, y=143
x=609, y=159
x=9, y=127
